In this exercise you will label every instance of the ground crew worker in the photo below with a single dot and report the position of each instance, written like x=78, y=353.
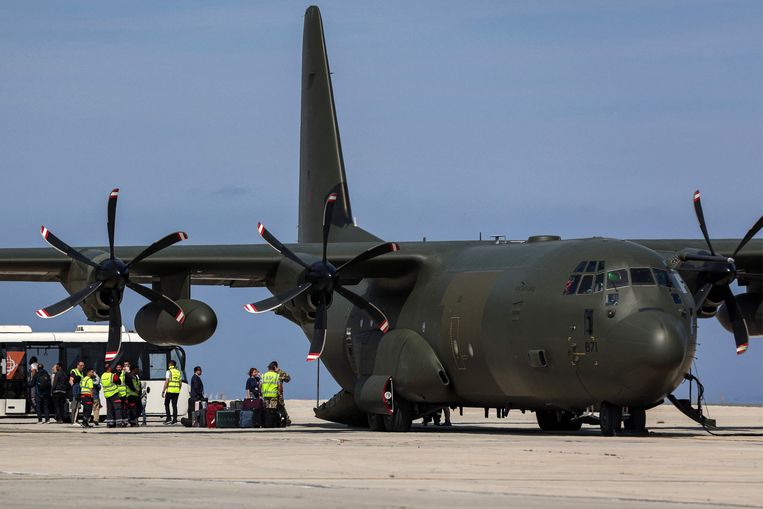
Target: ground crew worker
x=173, y=380
x=122, y=392
x=86, y=397
x=75, y=379
x=270, y=383
x=132, y=389
x=96, y=399
x=110, y=388
x=283, y=378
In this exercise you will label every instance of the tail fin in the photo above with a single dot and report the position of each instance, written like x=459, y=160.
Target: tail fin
x=321, y=166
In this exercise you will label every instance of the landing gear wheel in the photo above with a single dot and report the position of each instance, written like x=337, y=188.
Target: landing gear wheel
x=610, y=418
x=402, y=418
x=376, y=422
x=557, y=420
x=636, y=421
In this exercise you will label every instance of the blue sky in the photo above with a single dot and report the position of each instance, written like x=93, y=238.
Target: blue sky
x=515, y=118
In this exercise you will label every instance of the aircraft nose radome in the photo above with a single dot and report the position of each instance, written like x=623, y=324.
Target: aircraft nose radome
x=660, y=340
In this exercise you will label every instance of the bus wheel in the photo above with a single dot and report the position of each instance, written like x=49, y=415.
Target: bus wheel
x=402, y=417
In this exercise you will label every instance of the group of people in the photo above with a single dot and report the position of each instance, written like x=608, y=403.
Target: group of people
x=122, y=389
x=269, y=387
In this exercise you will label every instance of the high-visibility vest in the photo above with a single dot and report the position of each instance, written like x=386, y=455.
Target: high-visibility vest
x=133, y=391
x=122, y=386
x=176, y=380
x=270, y=384
x=77, y=374
x=109, y=387
x=86, y=387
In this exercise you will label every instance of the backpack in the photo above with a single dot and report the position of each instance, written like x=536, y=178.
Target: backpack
x=43, y=381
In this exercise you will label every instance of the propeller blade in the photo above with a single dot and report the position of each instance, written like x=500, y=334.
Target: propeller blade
x=157, y=246
x=738, y=323
x=62, y=247
x=328, y=213
x=111, y=214
x=275, y=301
x=701, y=295
x=275, y=244
x=378, y=316
x=167, y=304
x=701, y=219
x=389, y=247
x=115, y=327
x=65, y=305
x=319, y=334
x=750, y=234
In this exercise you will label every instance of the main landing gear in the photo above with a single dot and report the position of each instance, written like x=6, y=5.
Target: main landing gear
x=399, y=420
x=612, y=420
x=557, y=420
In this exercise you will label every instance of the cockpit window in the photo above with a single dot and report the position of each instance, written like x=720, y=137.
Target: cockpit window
x=598, y=285
x=642, y=277
x=678, y=281
x=662, y=278
x=591, y=266
x=586, y=285
x=580, y=267
x=617, y=278
x=571, y=285
x=601, y=266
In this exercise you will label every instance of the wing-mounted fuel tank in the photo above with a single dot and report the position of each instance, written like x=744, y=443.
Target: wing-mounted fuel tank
x=159, y=328
x=404, y=363
x=751, y=307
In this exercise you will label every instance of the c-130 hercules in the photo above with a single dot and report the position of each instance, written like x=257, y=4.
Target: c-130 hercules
x=564, y=328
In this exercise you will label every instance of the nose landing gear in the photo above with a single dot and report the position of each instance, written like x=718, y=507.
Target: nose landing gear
x=614, y=420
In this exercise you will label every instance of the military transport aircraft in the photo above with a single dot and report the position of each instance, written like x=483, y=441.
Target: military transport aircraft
x=564, y=328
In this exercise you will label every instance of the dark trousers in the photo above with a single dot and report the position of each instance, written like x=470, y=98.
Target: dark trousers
x=133, y=402
x=113, y=410
x=59, y=405
x=171, y=397
x=87, y=408
x=43, y=407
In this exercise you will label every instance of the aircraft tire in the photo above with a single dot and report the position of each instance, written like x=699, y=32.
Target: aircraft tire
x=610, y=418
x=555, y=420
x=376, y=422
x=402, y=418
x=636, y=421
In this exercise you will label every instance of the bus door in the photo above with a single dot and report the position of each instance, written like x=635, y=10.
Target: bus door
x=13, y=382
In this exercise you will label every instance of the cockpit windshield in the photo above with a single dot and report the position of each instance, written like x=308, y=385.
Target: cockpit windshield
x=617, y=278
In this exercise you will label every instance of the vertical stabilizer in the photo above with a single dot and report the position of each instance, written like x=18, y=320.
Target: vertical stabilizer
x=321, y=166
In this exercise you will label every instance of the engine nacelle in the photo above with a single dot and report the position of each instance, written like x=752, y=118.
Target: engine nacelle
x=752, y=310
x=159, y=328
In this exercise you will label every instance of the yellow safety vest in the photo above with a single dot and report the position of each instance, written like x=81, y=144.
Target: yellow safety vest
x=87, y=387
x=122, y=386
x=131, y=390
x=77, y=373
x=270, y=384
x=176, y=380
x=109, y=387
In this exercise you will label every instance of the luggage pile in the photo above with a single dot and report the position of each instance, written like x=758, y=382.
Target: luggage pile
x=249, y=413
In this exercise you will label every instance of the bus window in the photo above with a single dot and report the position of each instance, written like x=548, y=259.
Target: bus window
x=157, y=362
x=46, y=355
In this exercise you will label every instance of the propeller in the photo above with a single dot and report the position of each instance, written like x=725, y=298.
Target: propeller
x=723, y=289
x=322, y=279
x=111, y=277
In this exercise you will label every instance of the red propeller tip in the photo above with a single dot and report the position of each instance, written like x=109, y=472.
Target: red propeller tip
x=395, y=247
x=250, y=308
x=44, y=232
x=312, y=356
x=384, y=326
x=260, y=228
x=696, y=195
x=742, y=349
x=110, y=356
x=331, y=197
x=114, y=193
x=42, y=313
x=182, y=235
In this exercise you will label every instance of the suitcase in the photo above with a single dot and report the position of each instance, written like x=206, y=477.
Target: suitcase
x=236, y=405
x=211, y=414
x=252, y=404
x=272, y=418
x=227, y=418
x=246, y=418
x=200, y=414
x=258, y=418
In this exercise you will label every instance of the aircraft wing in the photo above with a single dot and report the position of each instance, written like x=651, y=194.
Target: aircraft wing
x=749, y=260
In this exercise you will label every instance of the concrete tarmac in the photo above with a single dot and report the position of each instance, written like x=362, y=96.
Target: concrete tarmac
x=478, y=462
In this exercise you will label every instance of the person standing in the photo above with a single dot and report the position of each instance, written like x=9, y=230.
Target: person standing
x=121, y=369
x=253, y=384
x=60, y=385
x=132, y=388
x=75, y=379
x=86, y=395
x=270, y=382
x=283, y=378
x=173, y=380
x=110, y=387
x=96, y=399
x=144, y=390
x=42, y=388
x=32, y=373
x=197, y=391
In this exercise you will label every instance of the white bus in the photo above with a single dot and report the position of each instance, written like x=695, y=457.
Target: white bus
x=18, y=344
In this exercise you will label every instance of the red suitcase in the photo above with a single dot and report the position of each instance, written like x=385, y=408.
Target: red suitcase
x=212, y=409
x=252, y=404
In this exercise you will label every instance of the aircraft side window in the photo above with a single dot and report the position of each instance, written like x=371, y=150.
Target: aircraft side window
x=676, y=298
x=678, y=281
x=601, y=266
x=591, y=267
x=571, y=285
x=613, y=299
x=586, y=285
x=598, y=285
x=580, y=267
x=662, y=278
x=642, y=277
x=617, y=278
